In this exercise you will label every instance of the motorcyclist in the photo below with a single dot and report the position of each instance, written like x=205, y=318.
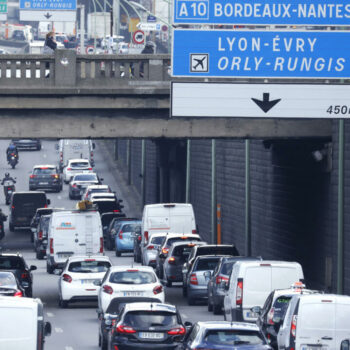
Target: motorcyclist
x=7, y=178
x=10, y=150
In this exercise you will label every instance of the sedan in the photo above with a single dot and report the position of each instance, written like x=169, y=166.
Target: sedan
x=124, y=281
x=80, y=278
x=27, y=144
x=79, y=183
x=9, y=285
x=76, y=166
x=45, y=177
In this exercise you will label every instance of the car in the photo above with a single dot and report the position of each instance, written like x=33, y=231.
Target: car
x=271, y=315
x=45, y=177
x=9, y=285
x=152, y=249
x=128, y=281
x=147, y=326
x=222, y=335
x=219, y=278
x=95, y=189
x=96, y=196
x=105, y=205
x=123, y=48
x=16, y=264
x=124, y=241
x=79, y=183
x=164, y=249
x=173, y=264
x=40, y=236
x=137, y=245
x=78, y=277
x=198, y=277
x=76, y=166
x=27, y=144
x=18, y=35
x=112, y=313
x=110, y=232
x=106, y=219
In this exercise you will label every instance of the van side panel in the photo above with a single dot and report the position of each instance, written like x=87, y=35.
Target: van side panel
x=342, y=321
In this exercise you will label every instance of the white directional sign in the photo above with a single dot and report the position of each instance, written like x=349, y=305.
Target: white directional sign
x=49, y=16
x=148, y=27
x=260, y=100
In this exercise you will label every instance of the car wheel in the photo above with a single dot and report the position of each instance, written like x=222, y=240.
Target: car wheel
x=216, y=309
x=210, y=306
x=117, y=252
x=29, y=292
x=62, y=303
x=11, y=227
x=39, y=255
x=49, y=269
x=184, y=291
x=168, y=284
x=138, y=258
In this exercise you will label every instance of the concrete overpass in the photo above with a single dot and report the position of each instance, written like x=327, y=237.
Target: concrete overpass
x=114, y=96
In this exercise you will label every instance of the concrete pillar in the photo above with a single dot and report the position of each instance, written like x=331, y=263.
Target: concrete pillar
x=65, y=68
x=156, y=70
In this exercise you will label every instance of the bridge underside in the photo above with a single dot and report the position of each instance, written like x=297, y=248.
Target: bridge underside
x=150, y=123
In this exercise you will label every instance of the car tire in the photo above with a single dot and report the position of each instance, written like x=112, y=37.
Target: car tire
x=39, y=255
x=184, y=291
x=216, y=309
x=210, y=306
x=117, y=252
x=63, y=303
x=70, y=196
x=138, y=258
x=11, y=227
x=168, y=283
x=29, y=293
x=49, y=269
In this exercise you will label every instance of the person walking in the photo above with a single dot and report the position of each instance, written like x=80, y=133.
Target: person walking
x=50, y=46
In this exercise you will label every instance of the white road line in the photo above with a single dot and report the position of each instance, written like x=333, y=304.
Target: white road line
x=68, y=348
x=58, y=330
x=44, y=155
x=59, y=197
x=50, y=314
x=184, y=315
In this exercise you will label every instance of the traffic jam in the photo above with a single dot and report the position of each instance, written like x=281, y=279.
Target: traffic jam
x=259, y=304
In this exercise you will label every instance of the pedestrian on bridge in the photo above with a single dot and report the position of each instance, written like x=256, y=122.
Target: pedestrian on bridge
x=49, y=48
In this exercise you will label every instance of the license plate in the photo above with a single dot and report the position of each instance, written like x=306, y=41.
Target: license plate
x=251, y=314
x=314, y=347
x=21, y=219
x=43, y=183
x=133, y=294
x=151, y=335
x=87, y=281
x=64, y=255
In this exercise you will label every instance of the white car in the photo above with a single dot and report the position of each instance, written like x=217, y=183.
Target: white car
x=127, y=281
x=76, y=166
x=151, y=250
x=79, y=276
x=96, y=196
x=95, y=189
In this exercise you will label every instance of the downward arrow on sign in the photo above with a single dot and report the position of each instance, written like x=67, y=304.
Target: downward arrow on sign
x=266, y=104
x=47, y=15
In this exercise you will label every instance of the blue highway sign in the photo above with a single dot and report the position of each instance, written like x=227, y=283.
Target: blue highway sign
x=275, y=54
x=50, y=5
x=262, y=12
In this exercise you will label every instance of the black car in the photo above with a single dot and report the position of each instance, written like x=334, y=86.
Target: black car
x=110, y=233
x=112, y=313
x=218, y=279
x=36, y=219
x=17, y=264
x=106, y=205
x=40, y=236
x=106, y=219
x=9, y=285
x=27, y=144
x=137, y=244
x=147, y=326
x=45, y=177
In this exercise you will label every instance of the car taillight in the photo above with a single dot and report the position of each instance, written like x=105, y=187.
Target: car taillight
x=55, y=176
x=74, y=185
x=116, y=211
x=40, y=235
x=24, y=275
x=270, y=316
x=9, y=188
x=239, y=293
x=108, y=289
x=139, y=238
x=193, y=279
x=220, y=279
x=116, y=347
x=171, y=260
x=120, y=235
x=89, y=168
x=101, y=244
x=67, y=278
x=18, y=294
x=157, y=289
x=12, y=207
x=194, y=231
x=69, y=168
x=51, y=245
x=125, y=329
x=293, y=328
x=65, y=41
x=165, y=251
x=150, y=247
x=32, y=176
x=177, y=331
x=146, y=236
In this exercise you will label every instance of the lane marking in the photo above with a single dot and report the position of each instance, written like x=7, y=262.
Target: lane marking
x=59, y=197
x=50, y=314
x=44, y=155
x=68, y=348
x=184, y=315
x=58, y=330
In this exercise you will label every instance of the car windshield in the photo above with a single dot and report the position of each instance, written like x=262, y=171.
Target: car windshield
x=280, y=307
x=85, y=177
x=90, y=265
x=158, y=240
x=79, y=164
x=7, y=279
x=146, y=319
x=206, y=264
x=44, y=171
x=11, y=262
x=233, y=337
x=132, y=277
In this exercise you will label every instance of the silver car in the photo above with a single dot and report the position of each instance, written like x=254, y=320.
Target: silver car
x=149, y=257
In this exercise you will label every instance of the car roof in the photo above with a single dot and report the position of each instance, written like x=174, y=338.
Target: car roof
x=208, y=257
x=44, y=166
x=174, y=235
x=147, y=306
x=103, y=195
x=267, y=263
x=97, y=187
x=228, y=325
x=176, y=244
x=125, y=268
x=79, y=160
x=86, y=174
x=89, y=257
x=19, y=255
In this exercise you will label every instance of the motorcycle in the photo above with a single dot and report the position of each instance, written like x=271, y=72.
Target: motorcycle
x=9, y=188
x=13, y=160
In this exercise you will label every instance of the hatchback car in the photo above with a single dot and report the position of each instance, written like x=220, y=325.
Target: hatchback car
x=76, y=166
x=222, y=335
x=110, y=232
x=27, y=144
x=45, y=177
x=105, y=205
x=79, y=276
x=9, y=285
x=16, y=264
x=106, y=219
x=79, y=183
x=126, y=281
x=40, y=237
x=152, y=249
x=95, y=189
x=147, y=326
x=124, y=241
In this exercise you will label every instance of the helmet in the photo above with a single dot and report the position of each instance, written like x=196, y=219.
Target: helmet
x=7, y=174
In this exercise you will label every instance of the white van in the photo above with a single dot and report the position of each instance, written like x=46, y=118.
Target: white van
x=22, y=324
x=74, y=149
x=252, y=281
x=73, y=232
x=316, y=321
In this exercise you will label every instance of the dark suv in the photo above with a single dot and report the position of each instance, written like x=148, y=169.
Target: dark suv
x=17, y=264
x=45, y=177
x=40, y=237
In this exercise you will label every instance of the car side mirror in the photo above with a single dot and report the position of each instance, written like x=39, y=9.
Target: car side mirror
x=188, y=324
x=57, y=272
x=256, y=309
x=47, y=329
x=101, y=178
x=120, y=201
x=32, y=268
x=93, y=145
x=162, y=256
x=48, y=201
x=97, y=283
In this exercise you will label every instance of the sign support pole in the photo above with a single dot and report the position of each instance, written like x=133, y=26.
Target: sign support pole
x=213, y=191
x=248, y=248
x=188, y=171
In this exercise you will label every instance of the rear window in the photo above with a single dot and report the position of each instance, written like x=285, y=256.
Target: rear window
x=182, y=250
x=180, y=239
x=206, y=264
x=146, y=319
x=158, y=240
x=132, y=277
x=233, y=337
x=36, y=200
x=7, y=279
x=44, y=171
x=217, y=251
x=79, y=164
x=130, y=227
x=85, y=177
x=280, y=306
x=226, y=269
x=11, y=262
x=89, y=266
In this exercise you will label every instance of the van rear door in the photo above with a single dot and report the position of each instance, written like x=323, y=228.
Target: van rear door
x=65, y=237
x=284, y=276
x=342, y=321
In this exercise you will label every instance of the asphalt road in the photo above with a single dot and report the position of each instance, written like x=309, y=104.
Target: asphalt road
x=76, y=327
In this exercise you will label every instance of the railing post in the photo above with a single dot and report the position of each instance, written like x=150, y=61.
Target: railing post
x=65, y=68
